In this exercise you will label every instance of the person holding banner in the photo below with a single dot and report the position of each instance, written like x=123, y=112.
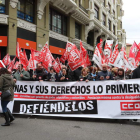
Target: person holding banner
x=93, y=73
x=40, y=74
x=121, y=75
x=104, y=74
x=21, y=74
x=6, y=85
x=85, y=76
x=64, y=77
x=52, y=75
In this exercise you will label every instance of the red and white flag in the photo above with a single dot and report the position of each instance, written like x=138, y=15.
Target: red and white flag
x=58, y=61
x=74, y=59
x=97, y=58
x=16, y=65
x=37, y=55
x=31, y=64
x=21, y=56
x=6, y=60
x=99, y=46
x=84, y=56
x=18, y=49
x=107, y=51
x=125, y=64
x=133, y=54
x=115, y=59
x=65, y=55
x=11, y=65
x=56, y=66
x=47, y=61
x=137, y=59
x=1, y=64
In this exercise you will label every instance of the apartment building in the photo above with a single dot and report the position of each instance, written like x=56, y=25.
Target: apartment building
x=33, y=22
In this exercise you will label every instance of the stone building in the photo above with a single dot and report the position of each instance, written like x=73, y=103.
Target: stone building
x=33, y=22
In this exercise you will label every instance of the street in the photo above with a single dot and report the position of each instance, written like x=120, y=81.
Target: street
x=27, y=128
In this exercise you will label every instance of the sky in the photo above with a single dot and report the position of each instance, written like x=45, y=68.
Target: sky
x=131, y=20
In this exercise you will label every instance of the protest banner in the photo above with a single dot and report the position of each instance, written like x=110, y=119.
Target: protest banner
x=106, y=99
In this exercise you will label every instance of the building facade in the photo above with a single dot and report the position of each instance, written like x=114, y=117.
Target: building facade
x=128, y=46
x=33, y=22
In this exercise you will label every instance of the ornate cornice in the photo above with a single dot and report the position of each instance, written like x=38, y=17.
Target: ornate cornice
x=58, y=36
x=4, y=19
x=40, y=7
x=13, y=3
x=26, y=25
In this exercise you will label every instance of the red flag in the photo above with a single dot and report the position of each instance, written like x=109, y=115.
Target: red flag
x=133, y=54
x=56, y=66
x=137, y=59
x=1, y=64
x=16, y=65
x=21, y=55
x=65, y=55
x=84, y=55
x=18, y=49
x=38, y=56
x=133, y=50
x=74, y=59
x=107, y=51
x=58, y=61
x=99, y=46
x=6, y=60
x=11, y=65
x=48, y=58
x=31, y=63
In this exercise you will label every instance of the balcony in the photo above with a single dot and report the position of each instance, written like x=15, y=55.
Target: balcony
x=83, y=8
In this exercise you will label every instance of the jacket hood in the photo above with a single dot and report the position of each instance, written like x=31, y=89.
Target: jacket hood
x=6, y=76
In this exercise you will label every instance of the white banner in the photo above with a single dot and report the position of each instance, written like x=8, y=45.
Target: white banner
x=96, y=99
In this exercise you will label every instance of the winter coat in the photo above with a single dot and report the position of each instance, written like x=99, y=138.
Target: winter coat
x=93, y=76
x=104, y=74
x=40, y=75
x=121, y=77
x=67, y=78
x=7, y=83
x=136, y=73
x=75, y=74
x=84, y=78
x=52, y=77
x=26, y=76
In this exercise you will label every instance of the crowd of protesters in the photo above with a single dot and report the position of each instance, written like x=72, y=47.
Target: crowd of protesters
x=92, y=73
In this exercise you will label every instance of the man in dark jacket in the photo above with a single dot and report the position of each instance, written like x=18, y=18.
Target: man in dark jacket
x=104, y=74
x=136, y=73
x=40, y=74
x=76, y=73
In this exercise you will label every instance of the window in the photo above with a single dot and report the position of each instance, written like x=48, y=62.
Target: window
x=26, y=10
x=58, y=22
x=104, y=3
x=96, y=9
x=120, y=12
x=77, y=31
x=2, y=6
x=120, y=24
x=109, y=24
x=113, y=14
x=104, y=19
x=109, y=6
x=90, y=53
x=90, y=38
x=114, y=30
